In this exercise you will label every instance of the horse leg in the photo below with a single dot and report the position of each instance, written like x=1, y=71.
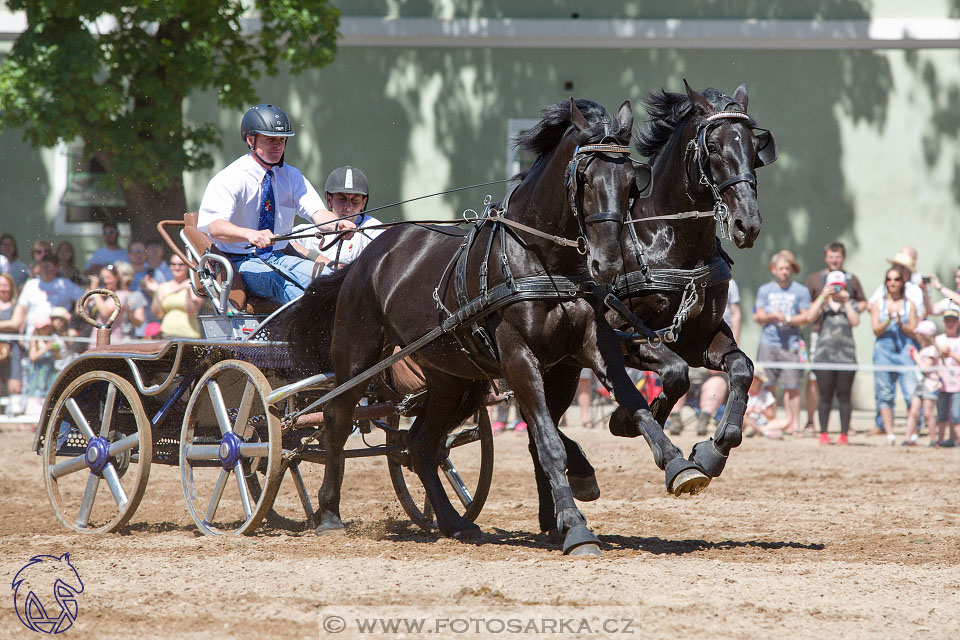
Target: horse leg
x=448, y=404
x=524, y=374
x=711, y=455
x=338, y=424
x=674, y=376
x=560, y=384
x=680, y=475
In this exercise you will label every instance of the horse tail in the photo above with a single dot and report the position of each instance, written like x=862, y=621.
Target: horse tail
x=308, y=324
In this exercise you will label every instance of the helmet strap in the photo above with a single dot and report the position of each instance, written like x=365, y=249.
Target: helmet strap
x=253, y=152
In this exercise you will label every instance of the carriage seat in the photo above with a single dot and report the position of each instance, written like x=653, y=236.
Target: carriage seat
x=240, y=297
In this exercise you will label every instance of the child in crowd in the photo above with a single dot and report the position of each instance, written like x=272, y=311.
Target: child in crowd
x=41, y=370
x=948, y=400
x=925, y=396
x=64, y=348
x=761, y=408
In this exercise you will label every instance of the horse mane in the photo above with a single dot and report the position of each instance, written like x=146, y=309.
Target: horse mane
x=308, y=324
x=555, y=120
x=668, y=111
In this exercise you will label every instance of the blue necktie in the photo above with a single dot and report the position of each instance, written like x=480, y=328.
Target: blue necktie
x=267, y=212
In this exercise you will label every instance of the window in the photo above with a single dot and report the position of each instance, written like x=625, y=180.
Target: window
x=87, y=200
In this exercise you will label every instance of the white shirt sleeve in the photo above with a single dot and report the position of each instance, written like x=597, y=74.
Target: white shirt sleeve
x=219, y=200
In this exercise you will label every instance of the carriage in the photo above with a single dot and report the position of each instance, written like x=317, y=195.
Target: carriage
x=215, y=407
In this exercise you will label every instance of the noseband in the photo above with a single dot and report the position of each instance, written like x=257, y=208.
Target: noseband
x=701, y=154
x=570, y=178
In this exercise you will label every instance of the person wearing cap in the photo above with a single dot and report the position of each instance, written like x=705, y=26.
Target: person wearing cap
x=257, y=197
x=781, y=307
x=837, y=314
x=948, y=398
x=925, y=396
x=893, y=319
x=64, y=348
x=346, y=192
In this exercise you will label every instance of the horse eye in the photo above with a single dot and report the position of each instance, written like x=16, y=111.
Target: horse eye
x=713, y=147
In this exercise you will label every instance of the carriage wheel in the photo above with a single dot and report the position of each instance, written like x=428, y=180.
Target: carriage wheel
x=467, y=445
x=228, y=431
x=97, y=431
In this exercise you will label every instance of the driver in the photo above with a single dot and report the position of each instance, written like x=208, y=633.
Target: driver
x=346, y=192
x=257, y=197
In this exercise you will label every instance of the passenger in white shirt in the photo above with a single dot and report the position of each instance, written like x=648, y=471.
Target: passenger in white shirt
x=237, y=209
x=346, y=192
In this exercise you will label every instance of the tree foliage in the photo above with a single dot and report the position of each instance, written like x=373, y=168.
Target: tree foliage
x=116, y=73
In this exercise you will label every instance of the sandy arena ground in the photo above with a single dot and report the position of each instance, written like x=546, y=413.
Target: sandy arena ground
x=795, y=540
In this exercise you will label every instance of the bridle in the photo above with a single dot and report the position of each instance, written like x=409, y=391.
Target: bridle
x=701, y=155
x=571, y=178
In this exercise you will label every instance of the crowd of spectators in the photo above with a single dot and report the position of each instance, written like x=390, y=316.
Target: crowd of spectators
x=38, y=303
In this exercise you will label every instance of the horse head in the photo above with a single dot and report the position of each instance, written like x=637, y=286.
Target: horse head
x=600, y=180
x=724, y=149
x=42, y=581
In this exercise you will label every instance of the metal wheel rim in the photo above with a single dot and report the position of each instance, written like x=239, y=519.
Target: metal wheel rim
x=204, y=508
x=422, y=513
x=126, y=503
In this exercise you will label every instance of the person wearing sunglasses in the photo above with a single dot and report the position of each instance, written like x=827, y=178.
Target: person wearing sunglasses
x=111, y=252
x=893, y=318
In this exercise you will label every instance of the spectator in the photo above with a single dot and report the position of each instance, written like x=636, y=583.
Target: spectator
x=39, y=296
x=41, y=248
x=66, y=258
x=893, y=319
x=906, y=261
x=16, y=267
x=836, y=312
x=101, y=307
x=950, y=297
x=948, y=399
x=10, y=353
x=781, y=307
x=925, y=395
x=137, y=259
x=155, y=261
x=585, y=397
x=41, y=369
x=64, y=348
x=176, y=304
x=111, y=252
x=761, y=409
x=834, y=255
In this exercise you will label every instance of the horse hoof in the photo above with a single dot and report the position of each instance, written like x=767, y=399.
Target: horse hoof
x=621, y=424
x=464, y=531
x=691, y=481
x=684, y=476
x=330, y=530
x=554, y=536
x=580, y=541
x=585, y=488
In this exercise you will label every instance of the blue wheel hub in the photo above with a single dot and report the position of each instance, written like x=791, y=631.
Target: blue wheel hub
x=98, y=454
x=229, y=450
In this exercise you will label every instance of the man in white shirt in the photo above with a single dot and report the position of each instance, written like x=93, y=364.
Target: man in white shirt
x=256, y=198
x=347, y=193
x=40, y=295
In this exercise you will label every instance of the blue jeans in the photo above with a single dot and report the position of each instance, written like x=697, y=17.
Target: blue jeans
x=885, y=382
x=263, y=281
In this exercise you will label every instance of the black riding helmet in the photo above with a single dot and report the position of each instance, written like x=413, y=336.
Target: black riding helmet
x=347, y=180
x=266, y=120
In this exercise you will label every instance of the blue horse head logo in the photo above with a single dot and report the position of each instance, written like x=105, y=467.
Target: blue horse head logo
x=45, y=593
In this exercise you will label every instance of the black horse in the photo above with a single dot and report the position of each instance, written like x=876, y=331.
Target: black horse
x=704, y=148
x=579, y=187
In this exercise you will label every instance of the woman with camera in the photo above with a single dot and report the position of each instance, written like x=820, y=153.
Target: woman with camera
x=838, y=316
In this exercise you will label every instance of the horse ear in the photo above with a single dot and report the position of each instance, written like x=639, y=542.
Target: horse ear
x=576, y=117
x=740, y=96
x=625, y=117
x=66, y=556
x=699, y=102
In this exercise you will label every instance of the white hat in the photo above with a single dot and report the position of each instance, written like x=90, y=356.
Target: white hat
x=837, y=278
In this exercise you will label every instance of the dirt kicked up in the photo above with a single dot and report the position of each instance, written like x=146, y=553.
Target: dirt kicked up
x=795, y=539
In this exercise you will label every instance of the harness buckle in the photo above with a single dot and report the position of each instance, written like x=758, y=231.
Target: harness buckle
x=582, y=245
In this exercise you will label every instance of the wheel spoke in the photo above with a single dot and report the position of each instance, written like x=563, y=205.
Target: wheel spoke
x=244, y=491
x=215, y=498
x=202, y=452
x=108, y=407
x=219, y=407
x=243, y=412
x=124, y=444
x=113, y=481
x=86, y=504
x=69, y=466
x=456, y=482
x=81, y=421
